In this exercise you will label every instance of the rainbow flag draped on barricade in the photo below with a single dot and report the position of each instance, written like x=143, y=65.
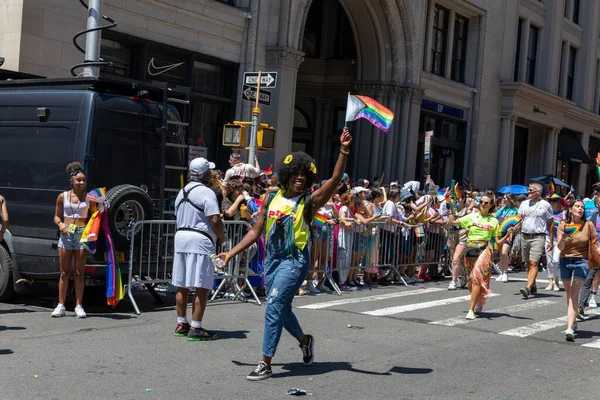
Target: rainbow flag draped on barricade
x=89, y=237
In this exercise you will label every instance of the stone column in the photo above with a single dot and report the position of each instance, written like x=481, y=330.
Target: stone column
x=564, y=66
x=449, y=44
x=511, y=149
x=524, y=50
x=551, y=150
x=416, y=96
x=393, y=149
x=280, y=114
x=596, y=108
x=581, y=182
x=317, y=142
x=429, y=35
x=402, y=151
x=504, y=169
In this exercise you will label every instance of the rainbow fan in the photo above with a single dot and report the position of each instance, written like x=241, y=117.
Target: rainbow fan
x=97, y=195
x=571, y=230
x=507, y=223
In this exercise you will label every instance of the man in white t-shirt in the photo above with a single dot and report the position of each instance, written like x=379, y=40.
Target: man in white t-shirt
x=240, y=169
x=537, y=222
x=199, y=233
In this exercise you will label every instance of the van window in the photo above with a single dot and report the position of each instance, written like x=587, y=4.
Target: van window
x=35, y=157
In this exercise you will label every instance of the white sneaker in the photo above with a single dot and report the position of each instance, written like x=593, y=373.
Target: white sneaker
x=323, y=288
x=470, y=315
x=79, y=312
x=58, y=312
x=461, y=282
x=570, y=335
x=592, y=302
x=499, y=278
x=504, y=277
x=312, y=288
x=452, y=285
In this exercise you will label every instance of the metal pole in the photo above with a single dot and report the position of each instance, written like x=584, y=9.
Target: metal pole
x=254, y=132
x=92, y=39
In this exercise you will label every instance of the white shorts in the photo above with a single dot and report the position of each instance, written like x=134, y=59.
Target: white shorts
x=192, y=266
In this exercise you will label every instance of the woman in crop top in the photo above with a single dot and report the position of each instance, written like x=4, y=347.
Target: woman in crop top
x=71, y=216
x=573, y=239
x=286, y=215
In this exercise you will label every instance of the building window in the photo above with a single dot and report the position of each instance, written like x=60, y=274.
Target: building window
x=576, y=4
x=461, y=29
x=440, y=35
x=532, y=54
x=518, y=55
x=571, y=72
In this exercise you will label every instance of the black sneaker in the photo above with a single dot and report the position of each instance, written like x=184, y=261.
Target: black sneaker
x=262, y=371
x=308, y=350
x=200, y=335
x=533, y=290
x=525, y=292
x=182, y=330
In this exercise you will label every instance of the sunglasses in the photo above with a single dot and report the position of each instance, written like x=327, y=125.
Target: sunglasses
x=533, y=191
x=485, y=203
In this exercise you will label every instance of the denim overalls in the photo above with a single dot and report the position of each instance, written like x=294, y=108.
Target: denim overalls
x=286, y=267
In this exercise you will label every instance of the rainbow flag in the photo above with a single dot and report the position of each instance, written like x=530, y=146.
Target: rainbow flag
x=369, y=109
x=456, y=191
x=268, y=171
x=551, y=187
x=320, y=220
x=572, y=229
x=507, y=223
x=114, y=284
x=419, y=231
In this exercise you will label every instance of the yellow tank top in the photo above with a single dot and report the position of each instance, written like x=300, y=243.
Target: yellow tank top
x=279, y=208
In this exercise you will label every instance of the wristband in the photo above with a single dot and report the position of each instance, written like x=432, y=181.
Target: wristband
x=344, y=152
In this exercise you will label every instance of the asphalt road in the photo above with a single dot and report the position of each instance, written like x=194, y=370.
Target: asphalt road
x=387, y=343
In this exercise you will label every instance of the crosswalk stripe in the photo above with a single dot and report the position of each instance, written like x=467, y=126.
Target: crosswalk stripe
x=529, y=330
x=595, y=344
x=418, y=306
x=505, y=310
x=326, y=304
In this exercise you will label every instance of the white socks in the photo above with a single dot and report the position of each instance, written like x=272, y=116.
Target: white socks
x=182, y=320
x=196, y=324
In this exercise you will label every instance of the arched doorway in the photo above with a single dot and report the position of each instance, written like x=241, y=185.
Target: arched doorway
x=357, y=46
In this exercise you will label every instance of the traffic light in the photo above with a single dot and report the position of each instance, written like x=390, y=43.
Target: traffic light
x=234, y=135
x=266, y=137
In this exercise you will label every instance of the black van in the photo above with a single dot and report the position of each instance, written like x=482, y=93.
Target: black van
x=129, y=138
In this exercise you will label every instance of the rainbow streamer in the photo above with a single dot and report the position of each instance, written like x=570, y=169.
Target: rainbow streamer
x=268, y=171
x=507, y=223
x=369, y=109
x=320, y=220
x=572, y=229
x=551, y=187
x=90, y=232
x=114, y=284
x=456, y=191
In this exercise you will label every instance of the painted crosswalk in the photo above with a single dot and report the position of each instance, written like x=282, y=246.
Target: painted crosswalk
x=525, y=319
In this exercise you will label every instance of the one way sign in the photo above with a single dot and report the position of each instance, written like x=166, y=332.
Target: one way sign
x=267, y=79
x=249, y=94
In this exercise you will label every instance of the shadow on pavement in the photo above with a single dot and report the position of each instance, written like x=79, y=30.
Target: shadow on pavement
x=586, y=334
x=16, y=311
x=411, y=371
x=6, y=351
x=318, y=368
x=224, y=335
x=11, y=328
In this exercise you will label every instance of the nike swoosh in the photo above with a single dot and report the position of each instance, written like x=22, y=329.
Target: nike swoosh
x=160, y=70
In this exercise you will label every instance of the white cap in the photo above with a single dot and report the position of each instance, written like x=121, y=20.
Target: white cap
x=199, y=166
x=358, y=189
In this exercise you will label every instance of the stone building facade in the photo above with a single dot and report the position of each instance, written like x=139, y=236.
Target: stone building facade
x=509, y=88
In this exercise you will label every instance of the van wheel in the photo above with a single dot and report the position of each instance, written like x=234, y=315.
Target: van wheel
x=128, y=204
x=7, y=288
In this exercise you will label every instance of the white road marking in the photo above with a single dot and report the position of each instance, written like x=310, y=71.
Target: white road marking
x=595, y=344
x=418, y=306
x=529, y=330
x=354, y=300
x=505, y=310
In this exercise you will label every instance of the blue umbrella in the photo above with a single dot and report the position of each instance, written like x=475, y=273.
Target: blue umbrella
x=514, y=189
x=547, y=178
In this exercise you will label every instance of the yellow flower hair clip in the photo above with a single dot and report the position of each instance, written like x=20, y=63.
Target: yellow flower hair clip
x=313, y=168
x=288, y=159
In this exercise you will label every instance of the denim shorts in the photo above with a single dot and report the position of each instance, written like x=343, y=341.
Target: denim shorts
x=72, y=241
x=573, y=268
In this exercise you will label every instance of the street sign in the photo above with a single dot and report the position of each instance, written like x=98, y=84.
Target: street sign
x=267, y=79
x=249, y=94
x=428, y=135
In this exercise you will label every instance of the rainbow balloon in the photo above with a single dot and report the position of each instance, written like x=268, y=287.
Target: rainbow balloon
x=507, y=223
x=369, y=109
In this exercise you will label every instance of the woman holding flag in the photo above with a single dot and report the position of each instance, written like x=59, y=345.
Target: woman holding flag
x=286, y=215
x=71, y=216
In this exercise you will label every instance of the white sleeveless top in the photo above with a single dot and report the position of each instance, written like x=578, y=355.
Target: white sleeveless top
x=72, y=210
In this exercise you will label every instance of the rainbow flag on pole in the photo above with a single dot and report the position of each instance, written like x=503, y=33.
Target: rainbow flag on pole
x=369, y=109
x=320, y=220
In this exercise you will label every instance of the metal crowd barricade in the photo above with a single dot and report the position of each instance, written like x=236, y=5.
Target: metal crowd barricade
x=322, y=254
x=151, y=255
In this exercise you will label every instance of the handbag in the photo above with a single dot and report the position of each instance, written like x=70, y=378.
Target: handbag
x=593, y=256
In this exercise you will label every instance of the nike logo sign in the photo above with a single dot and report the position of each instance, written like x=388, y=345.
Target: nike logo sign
x=153, y=70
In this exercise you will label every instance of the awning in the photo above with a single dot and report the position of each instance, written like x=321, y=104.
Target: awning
x=569, y=149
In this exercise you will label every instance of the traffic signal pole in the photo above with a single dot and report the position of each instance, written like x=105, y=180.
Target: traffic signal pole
x=254, y=131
